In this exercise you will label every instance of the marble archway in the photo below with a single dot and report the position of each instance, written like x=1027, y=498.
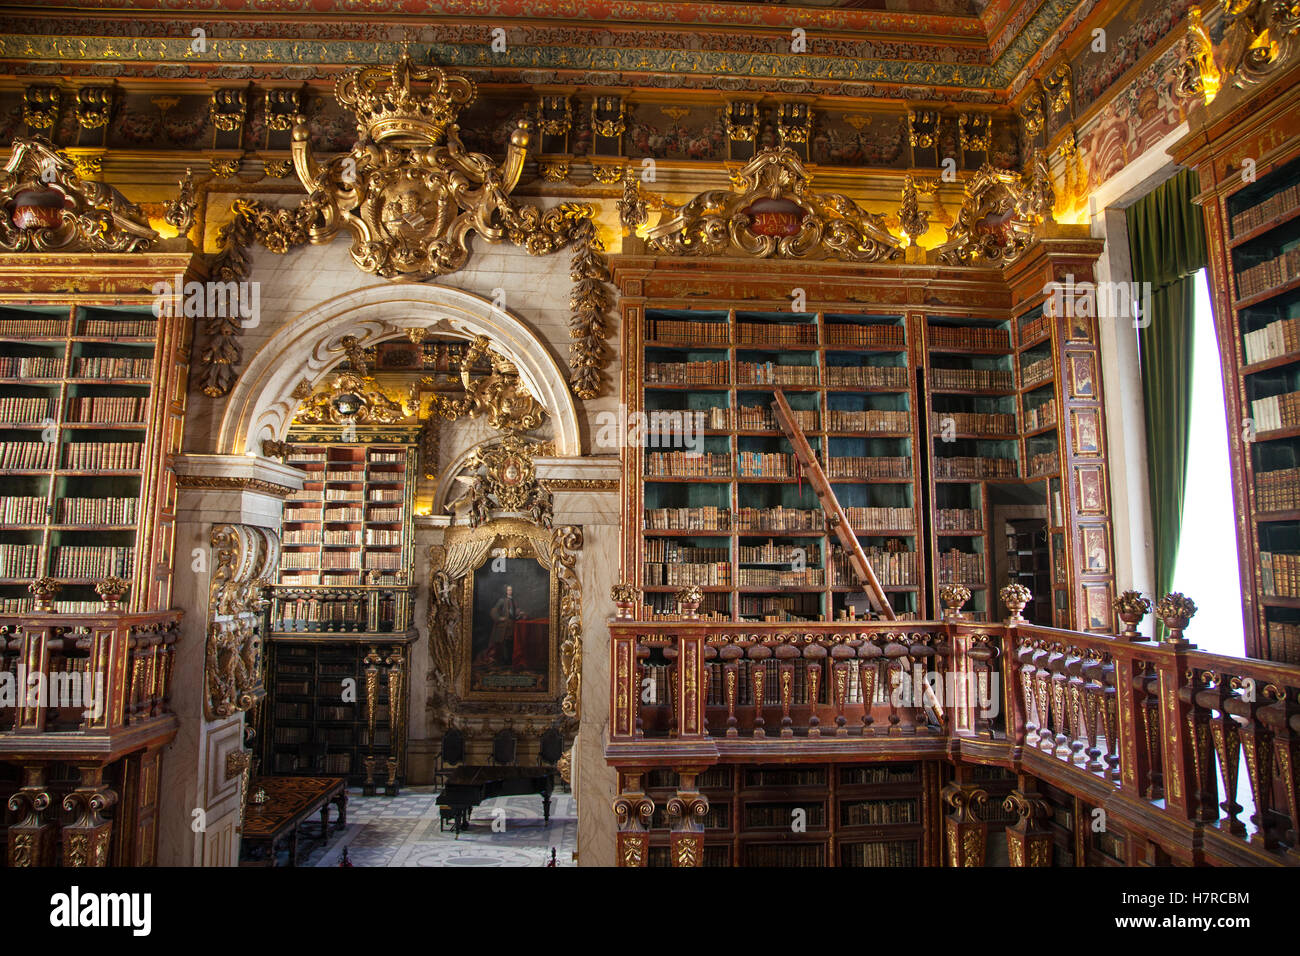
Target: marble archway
x=261, y=405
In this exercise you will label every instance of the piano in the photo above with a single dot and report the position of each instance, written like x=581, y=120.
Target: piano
x=467, y=787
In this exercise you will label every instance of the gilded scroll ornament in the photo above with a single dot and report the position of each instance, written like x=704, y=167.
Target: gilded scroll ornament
x=1056, y=89
x=53, y=209
x=1259, y=38
x=245, y=558
x=501, y=397
x=769, y=213
x=997, y=217
x=911, y=219
x=94, y=106
x=40, y=106
x=1031, y=113
x=180, y=212
x=633, y=211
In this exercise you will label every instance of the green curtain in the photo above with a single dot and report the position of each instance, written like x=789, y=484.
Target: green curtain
x=1166, y=237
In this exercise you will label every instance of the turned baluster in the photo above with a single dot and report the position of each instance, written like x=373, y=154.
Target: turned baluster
x=813, y=655
x=1025, y=664
x=1043, y=696
x=1078, y=719
x=870, y=658
x=1110, y=717
x=1060, y=708
x=1257, y=745
x=896, y=656
x=1093, y=693
x=639, y=656
x=1206, y=806
x=1283, y=720
x=785, y=655
x=710, y=656
x=1227, y=747
x=758, y=657
x=671, y=654
x=1150, y=686
x=730, y=655
x=841, y=654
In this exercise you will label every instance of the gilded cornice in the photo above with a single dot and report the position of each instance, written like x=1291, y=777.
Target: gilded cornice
x=941, y=53
x=234, y=483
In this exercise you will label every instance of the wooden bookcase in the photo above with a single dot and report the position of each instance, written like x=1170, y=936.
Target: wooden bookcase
x=1245, y=147
x=842, y=814
x=92, y=398
x=343, y=610
x=932, y=396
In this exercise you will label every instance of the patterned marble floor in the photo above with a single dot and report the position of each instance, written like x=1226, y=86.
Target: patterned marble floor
x=403, y=831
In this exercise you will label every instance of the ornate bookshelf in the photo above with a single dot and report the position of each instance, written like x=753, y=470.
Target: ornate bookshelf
x=342, y=610
x=1252, y=234
x=885, y=362
x=736, y=518
x=92, y=394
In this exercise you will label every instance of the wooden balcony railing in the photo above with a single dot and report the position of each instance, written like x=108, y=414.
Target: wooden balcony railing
x=1198, y=753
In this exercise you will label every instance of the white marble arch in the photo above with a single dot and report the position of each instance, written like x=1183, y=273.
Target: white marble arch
x=260, y=404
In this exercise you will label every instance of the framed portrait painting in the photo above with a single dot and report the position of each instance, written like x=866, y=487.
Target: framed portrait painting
x=510, y=625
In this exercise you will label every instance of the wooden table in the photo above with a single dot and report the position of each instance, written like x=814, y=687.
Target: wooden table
x=291, y=800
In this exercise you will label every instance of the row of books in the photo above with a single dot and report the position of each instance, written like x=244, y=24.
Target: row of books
x=687, y=373
x=1269, y=274
x=678, y=464
x=340, y=561
x=20, y=560
x=971, y=378
x=669, y=551
x=958, y=567
x=107, y=366
x=385, y=515
x=777, y=578
x=1035, y=327
x=880, y=519
x=1276, y=411
x=1284, y=642
x=304, y=536
x=32, y=328
x=769, y=815
x=118, y=328
x=869, y=467
x=335, y=494
x=868, y=336
x=97, y=510
x=1279, y=574
x=858, y=813
x=944, y=336
x=707, y=575
x=761, y=417
x=385, y=561
x=893, y=853
x=780, y=519
x=343, y=514
x=977, y=422
x=688, y=519
x=756, y=464
x=1037, y=372
x=109, y=455
x=690, y=333
x=773, y=553
x=340, y=476
x=385, y=495
x=299, y=457
x=1275, y=205
x=1043, y=463
x=892, y=568
x=26, y=454
x=85, y=561
x=1040, y=415
x=867, y=376
x=298, y=561
x=959, y=519
x=383, y=537
x=781, y=606
x=963, y=466
x=386, y=457
x=1272, y=341
x=20, y=411
x=25, y=605
x=868, y=420
x=769, y=373
x=25, y=509
x=1277, y=490
x=776, y=333
x=117, y=409
x=31, y=366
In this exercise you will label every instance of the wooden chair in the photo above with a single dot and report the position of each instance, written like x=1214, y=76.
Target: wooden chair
x=551, y=748
x=450, y=755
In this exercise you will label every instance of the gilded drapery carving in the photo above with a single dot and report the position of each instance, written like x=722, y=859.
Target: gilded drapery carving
x=245, y=558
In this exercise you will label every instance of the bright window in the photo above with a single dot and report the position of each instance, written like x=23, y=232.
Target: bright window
x=1206, y=569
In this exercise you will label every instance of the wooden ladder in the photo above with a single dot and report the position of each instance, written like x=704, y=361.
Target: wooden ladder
x=835, y=515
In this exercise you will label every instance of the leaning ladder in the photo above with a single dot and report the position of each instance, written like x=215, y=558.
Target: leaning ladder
x=835, y=515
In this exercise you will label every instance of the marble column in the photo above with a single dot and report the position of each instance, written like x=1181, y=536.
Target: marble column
x=201, y=772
